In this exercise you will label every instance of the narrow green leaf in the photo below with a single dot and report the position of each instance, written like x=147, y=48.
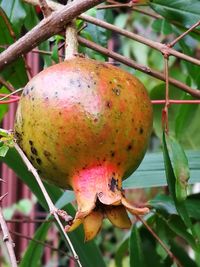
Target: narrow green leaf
x=121, y=251
x=33, y=254
x=175, y=223
x=181, y=168
x=186, y=12
x=3, y=150
x=15, y=73
x=16, y=13
x=54, y=54
x=165, y=205
x=182, y=255
x=151, y=172
x=135, y=248
x=171, y=180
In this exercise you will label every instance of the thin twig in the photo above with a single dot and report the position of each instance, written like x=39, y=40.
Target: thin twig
x=171, y=255
x=7, y=22
x=163, y=48
x=27, y=220
x=174, y=101
x=171, y=44
x=45, y=244
x=165, y=109
x=8, y=240
x=133, y=64
x=7, y=84
x=48, y=27
x=53, y=210
x=12, y=94
x=115, y=6
x=45, y=8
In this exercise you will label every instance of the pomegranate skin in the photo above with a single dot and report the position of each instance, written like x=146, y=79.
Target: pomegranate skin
x=83, y=113
x=85, y=125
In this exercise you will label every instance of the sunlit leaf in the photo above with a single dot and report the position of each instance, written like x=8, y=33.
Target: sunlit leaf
x=186, y=12
x=181, y=168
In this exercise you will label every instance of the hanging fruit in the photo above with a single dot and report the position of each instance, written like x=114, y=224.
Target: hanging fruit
x=85, y=125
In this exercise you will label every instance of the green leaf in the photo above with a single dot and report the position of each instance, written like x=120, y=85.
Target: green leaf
x=135, y=248
x=16, y=13
x=187, y=12
x=182, y=255
x=121, y=251
x=162, y=26
x=178, y=227
x=171, y=181
x=3, y=150
x=165, y=205
x=34, y=252
x=25, y=206
x=181, y=168
x=158, y=92
x=3, y=107
x=67, y=197
x=31, y=19
x=151, y=172
x=15, y=73
x=46, y=58
x=54, y=54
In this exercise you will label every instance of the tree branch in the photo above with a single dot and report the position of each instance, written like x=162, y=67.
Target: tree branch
x=7, y=239
x=53, y=210
x=52, y=25
x=45, y=8
x=133, y=64
x=163, y=48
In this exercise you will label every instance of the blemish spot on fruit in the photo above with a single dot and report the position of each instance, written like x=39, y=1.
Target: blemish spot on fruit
x=95, y=120
x=33, y=98
x=18, y=136
x=119, y=163
x=117, y=91
x=108, y=104
x=113, y=184
x=141, y=130
x=30, y=142
x=32, y=87
x=39, y=161
x=34, y=151
x=71, y=81
x=129, y=147
x=112, y=153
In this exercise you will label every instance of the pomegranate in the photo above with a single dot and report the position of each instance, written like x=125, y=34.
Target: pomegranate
x=85, y=125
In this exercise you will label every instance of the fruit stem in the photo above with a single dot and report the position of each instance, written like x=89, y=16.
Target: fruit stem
x=71, y=42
